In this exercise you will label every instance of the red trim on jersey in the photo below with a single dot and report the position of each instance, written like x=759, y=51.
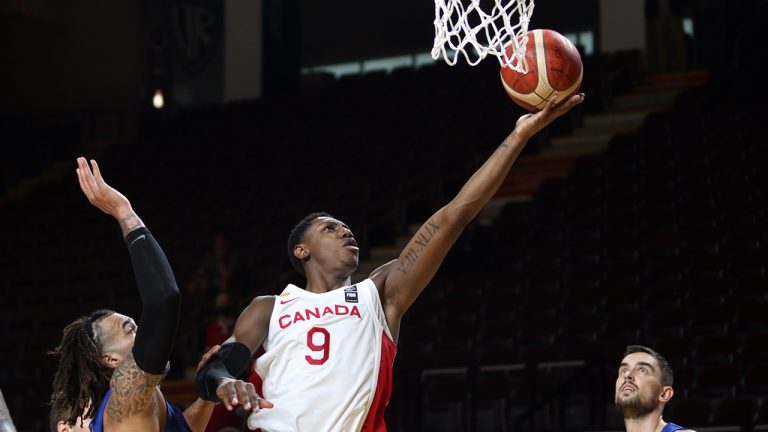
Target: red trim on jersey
x=255, y=378
x=375, y=420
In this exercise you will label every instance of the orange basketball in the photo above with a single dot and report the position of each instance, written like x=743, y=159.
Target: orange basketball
x=554, y=65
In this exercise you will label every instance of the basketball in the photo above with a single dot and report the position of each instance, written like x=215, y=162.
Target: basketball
x=554, y=65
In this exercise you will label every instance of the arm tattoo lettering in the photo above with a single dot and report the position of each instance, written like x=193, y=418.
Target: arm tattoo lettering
x=420, y=243
x=132, y=391
x=129, y=223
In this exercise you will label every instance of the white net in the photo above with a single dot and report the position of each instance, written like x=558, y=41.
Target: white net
x=463, y=25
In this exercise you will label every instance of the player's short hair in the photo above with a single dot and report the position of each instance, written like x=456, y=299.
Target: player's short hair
x=667, y=376
x=297, y=236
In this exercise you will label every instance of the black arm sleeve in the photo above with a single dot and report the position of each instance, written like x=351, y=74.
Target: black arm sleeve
x=160, y=299
x=230, y=362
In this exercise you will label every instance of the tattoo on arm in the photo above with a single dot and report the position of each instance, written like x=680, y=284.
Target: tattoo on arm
x=6, y=424
x=129, y=223
x=420, y=242
x=132, y=390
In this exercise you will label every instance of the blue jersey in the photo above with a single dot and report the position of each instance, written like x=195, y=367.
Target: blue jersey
x=176, y=421
x=671, y=427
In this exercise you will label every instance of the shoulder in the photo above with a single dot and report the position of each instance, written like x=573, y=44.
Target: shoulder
x=263, y=301
x=678, y=428
x=252, y=325
x=260, y=308
x=379, y=276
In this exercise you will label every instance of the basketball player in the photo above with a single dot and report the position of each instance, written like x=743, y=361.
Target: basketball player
x=643, y=387
x=110, y=367
x=6, y=424
x=58, y=416
x=329, y=347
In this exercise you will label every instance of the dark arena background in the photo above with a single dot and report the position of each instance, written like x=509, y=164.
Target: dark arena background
x=638, y=218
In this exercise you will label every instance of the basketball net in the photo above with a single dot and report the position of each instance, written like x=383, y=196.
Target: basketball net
x=459, y=28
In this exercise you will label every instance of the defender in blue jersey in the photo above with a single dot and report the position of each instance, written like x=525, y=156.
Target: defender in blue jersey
x=109, y=367
x=643, y=388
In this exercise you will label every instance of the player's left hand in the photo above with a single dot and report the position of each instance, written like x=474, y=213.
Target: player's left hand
x=98, y=192
x=207, y=356
x=529, y=124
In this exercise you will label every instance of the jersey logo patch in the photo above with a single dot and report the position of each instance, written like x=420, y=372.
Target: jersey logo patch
x=350, y=294
x=282, y=302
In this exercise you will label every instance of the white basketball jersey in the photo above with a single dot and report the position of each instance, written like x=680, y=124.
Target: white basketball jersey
x=328, y=362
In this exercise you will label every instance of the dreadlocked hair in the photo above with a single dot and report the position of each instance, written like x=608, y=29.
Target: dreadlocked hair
x=82, y=379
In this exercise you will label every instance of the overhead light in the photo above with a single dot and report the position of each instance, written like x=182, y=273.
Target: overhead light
x=157, y=100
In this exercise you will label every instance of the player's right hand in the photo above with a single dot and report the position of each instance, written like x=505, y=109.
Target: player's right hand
x=98, y=192
x=234, y=392
x=529, y=124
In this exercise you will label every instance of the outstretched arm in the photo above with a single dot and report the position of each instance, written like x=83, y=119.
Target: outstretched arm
x=136, y=377
x=403, y=279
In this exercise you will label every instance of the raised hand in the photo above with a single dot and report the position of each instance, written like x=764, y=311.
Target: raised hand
x=105, y=197
x=529, y=124
x=237, y=392
x=98, y=192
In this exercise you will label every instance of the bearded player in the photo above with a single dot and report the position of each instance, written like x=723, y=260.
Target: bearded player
x=643, y=388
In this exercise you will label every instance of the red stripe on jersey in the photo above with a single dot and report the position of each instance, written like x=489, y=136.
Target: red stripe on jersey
x=375, y=420
x=255, y=378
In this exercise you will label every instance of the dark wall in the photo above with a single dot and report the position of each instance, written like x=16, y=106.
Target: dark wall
x=68, y=56
x=338, y=31
x=80, y=54
x=567, y=16
x=194, y=33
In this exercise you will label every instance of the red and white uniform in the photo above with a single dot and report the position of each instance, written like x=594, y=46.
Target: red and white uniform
x=328, y=362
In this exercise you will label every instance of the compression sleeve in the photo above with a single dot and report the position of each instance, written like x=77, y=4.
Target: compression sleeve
x=160, y=299
x=230, y=362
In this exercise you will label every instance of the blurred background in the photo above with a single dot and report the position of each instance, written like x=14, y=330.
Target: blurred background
x=638, y=218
